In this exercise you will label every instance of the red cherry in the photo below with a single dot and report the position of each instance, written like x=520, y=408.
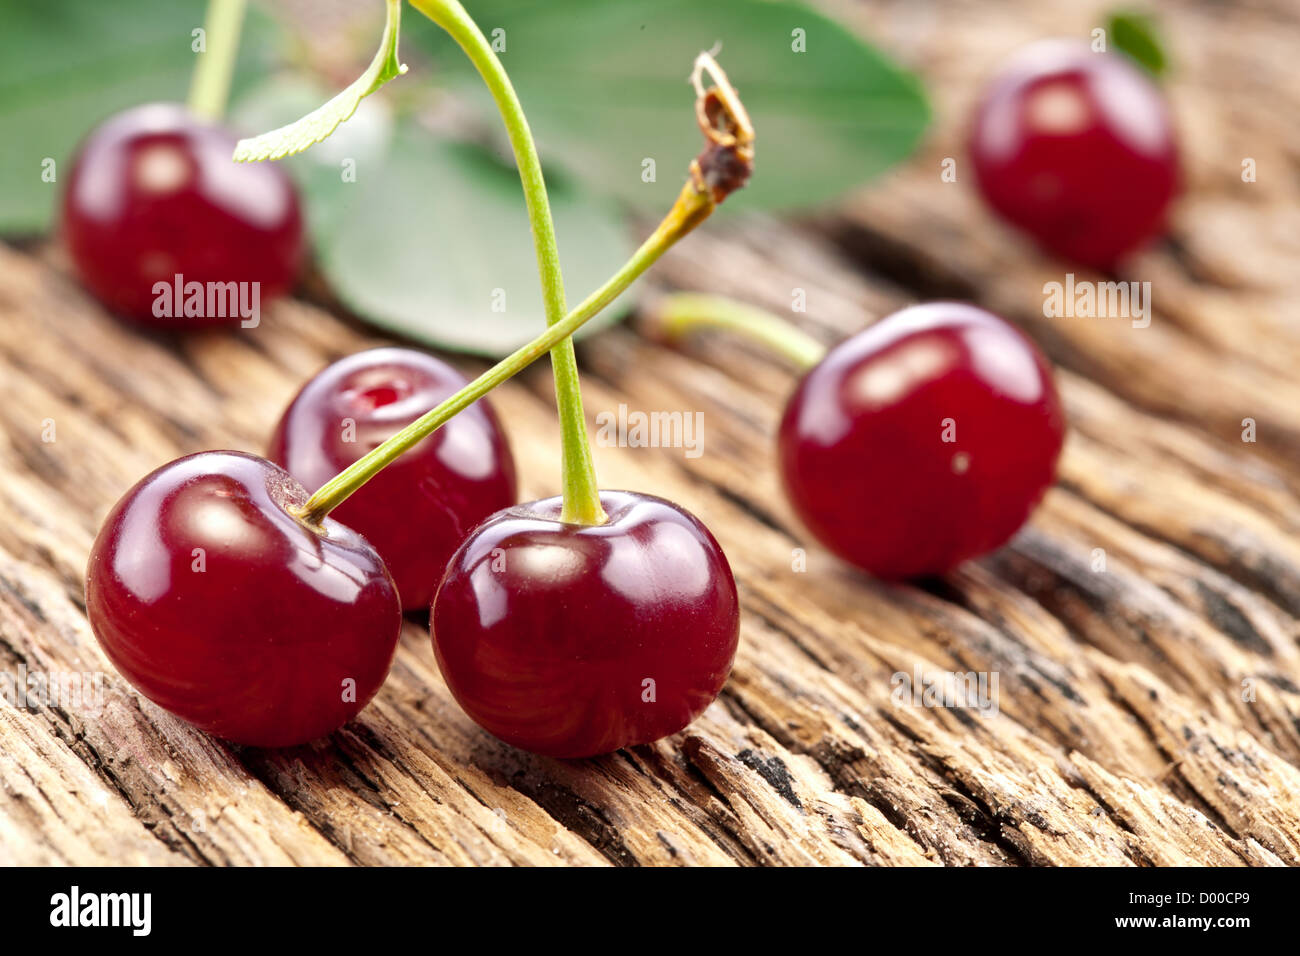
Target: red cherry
x=576, y=640
x=862, y=445
x=418, y=510
x=154, y=194
x=1076, y=148
x=220, y=606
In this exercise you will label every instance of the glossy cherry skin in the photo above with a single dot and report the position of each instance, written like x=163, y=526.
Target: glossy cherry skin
x=221, y=607
x=1077, y=148
x=418, y=510
x=571, y=640
x=862, y=447
x=154, y=193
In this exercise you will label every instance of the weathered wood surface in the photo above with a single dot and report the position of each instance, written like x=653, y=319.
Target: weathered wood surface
x=1149, y=714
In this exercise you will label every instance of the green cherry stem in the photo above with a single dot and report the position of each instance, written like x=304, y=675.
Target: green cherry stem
x=581, y=492
x=676, y=316
x=210, y=85
x=693, y=206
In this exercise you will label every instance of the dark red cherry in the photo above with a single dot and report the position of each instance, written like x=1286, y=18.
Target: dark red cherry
x=923, y=441
x=1077, y=148
x=154, y=194
x=418, y=510
x=577, y=640
x=220, y=606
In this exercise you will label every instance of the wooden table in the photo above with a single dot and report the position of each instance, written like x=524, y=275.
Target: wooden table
x=1149, y=712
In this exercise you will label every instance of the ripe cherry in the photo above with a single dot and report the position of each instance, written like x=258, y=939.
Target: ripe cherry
x=222, y=607
x=154, y=194
x=1076, y=148
x=576, y=640
x=418, y=510
x=925, y=440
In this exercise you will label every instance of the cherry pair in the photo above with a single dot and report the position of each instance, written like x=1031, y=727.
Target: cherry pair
x=217, y=601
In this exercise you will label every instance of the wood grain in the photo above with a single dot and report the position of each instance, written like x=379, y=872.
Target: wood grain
x=1148, y=713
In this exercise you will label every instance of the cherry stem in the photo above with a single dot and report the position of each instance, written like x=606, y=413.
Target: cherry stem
x=693, y=206
x=210, y=85
x=676, y=316
x=581, y=492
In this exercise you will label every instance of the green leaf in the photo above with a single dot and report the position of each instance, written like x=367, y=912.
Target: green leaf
x=432, y=240
x=69, y=64
x=1136, y=35
x=324, y=120
x=604, y=86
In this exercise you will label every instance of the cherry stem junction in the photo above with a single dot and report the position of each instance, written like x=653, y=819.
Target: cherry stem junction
x=210, y=85
x=676, y=316
x=723, y=166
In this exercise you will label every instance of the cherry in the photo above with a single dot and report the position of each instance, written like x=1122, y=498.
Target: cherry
x=220, y=606
x=925, y=440
x=154, y=193
x=575, y=640
x=418, y=510
x=1076, y=148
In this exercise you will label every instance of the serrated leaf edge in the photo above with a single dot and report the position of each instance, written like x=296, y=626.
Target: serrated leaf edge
x=324, y=120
